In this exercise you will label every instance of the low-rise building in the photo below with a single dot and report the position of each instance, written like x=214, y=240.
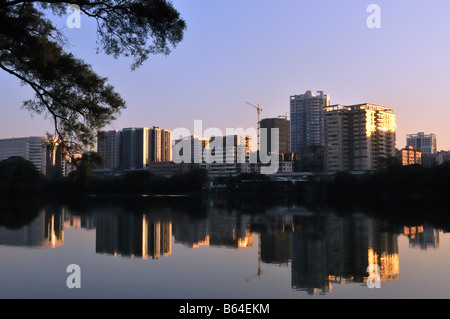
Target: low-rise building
x=443, y=156
x=410, y=156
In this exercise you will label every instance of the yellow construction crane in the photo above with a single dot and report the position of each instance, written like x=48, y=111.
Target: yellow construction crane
x=258, y=109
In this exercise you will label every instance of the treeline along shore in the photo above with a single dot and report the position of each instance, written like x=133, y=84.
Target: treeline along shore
x=393, y=192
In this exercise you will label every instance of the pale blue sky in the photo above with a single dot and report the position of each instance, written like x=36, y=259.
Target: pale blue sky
x=264, y=51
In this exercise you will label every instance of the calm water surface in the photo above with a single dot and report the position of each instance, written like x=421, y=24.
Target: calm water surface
x=174, y=250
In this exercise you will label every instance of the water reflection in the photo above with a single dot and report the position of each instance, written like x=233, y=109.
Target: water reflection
x=321, y=249
x=423, y=237
x=132, y=235
x=46, y=230
x=329, y=249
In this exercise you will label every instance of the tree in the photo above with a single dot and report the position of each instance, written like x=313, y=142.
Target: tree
x=84, y=166
x=67, y=90
x=19, y=177
x=312, y=159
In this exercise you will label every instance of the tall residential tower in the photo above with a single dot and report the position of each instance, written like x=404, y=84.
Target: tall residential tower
x=134, y=148
x=307, y=120
x=359, y=137
x=109, y=145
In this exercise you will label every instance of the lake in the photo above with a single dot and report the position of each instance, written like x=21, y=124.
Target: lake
x=179, y=248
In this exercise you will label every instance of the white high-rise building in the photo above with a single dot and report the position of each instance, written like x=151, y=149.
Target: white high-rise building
x=425, y=143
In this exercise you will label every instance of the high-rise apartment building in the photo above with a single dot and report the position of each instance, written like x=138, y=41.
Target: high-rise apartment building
x=44, y=153
x=191, y=150
x=307, y=120
x=134, y=148
x=32, y=149
x=233, y=149
x=155, y=144
x=160, y=145
x=166, y=145
x=110, y=146
x=425, y=143
x=359, y=137
x=227, y=154
x=283, y=126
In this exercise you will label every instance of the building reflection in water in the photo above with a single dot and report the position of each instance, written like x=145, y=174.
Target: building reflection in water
x=133, y=235
x=77, y=221
x=329, y=250
x=322, y=250
x=275, y=237
x=191, y=232
x=308, y=269
x=229, y=230
x=45, y=231
x=218, y=228
x=423, y=237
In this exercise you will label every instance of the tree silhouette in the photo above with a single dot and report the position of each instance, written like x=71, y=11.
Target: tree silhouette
x=77, y=100
x=19, y=177
x=84, y=167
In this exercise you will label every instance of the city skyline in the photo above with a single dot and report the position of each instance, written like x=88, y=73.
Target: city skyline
x=268, y=150
x=264, y=52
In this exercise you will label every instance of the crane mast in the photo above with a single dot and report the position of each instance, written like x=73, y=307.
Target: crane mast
x=258, y=110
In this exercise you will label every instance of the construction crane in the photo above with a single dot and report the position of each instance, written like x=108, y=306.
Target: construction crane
x=258, y=109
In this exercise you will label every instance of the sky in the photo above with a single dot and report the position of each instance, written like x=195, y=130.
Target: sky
x=264, y=51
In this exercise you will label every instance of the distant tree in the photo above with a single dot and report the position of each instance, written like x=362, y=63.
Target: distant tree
x=77, y=100
x=385, y=162
x=312, y=159
x=84, y=167
x=19, y=177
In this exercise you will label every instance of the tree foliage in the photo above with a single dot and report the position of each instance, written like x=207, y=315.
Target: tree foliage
x=66, y=89
x=19, y=177
x=84, y=166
